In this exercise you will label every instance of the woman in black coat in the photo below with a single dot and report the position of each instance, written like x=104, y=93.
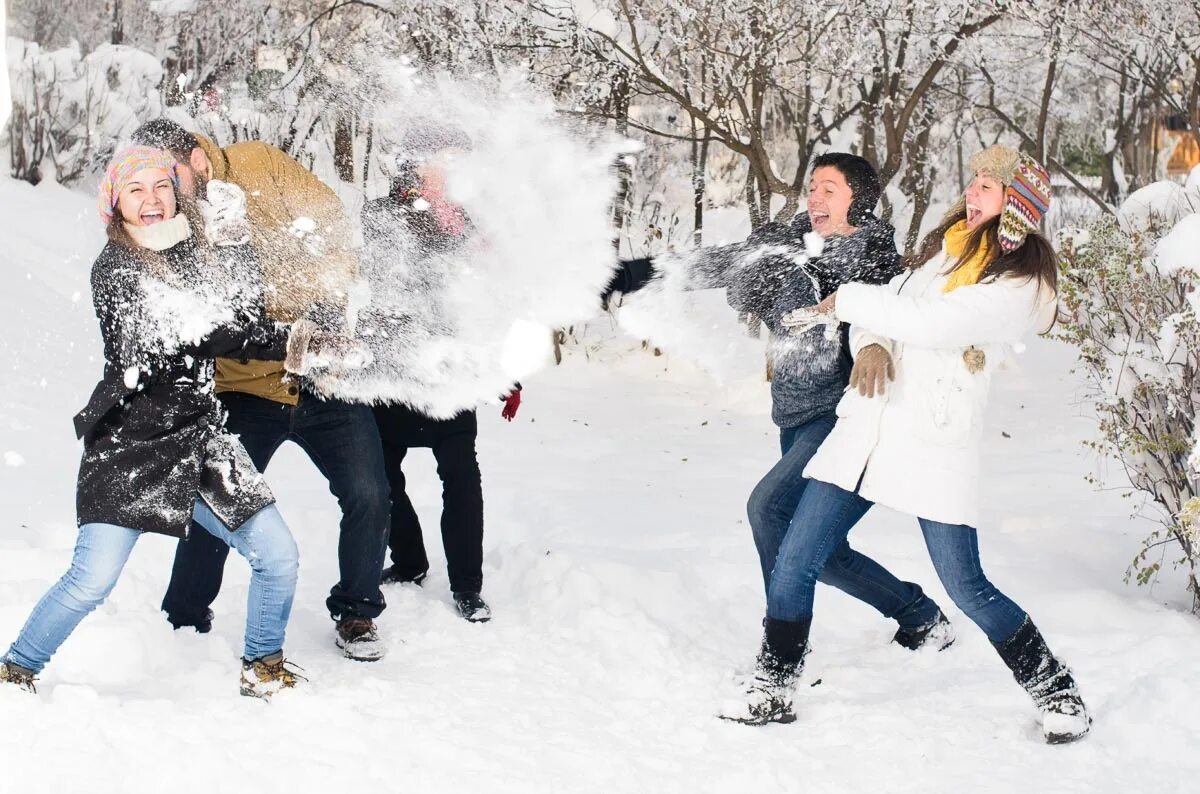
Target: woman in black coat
x=156, y=453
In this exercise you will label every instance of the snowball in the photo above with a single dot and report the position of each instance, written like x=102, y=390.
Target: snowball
x=527, y=346
x=13, y=459
x=131, y=377
x=814, y=244
x=302, y=226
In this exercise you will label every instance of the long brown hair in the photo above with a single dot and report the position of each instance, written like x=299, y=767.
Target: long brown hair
x=1033, y=259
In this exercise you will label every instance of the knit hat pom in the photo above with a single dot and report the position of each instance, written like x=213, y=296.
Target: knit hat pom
x=121, y=169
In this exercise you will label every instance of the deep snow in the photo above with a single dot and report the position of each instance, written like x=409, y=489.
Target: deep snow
x=625, y=588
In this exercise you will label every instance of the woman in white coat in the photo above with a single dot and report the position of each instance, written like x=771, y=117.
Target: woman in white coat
x=926, y=346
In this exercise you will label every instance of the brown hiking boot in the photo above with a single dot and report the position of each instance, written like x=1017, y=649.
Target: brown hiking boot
x=358, y=639
x=263, y=677
x=18, y=676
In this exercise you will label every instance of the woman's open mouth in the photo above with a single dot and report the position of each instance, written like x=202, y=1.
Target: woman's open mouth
x=151, y=217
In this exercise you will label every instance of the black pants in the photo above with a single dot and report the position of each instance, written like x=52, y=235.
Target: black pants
x=343, y=442
x=453, y=444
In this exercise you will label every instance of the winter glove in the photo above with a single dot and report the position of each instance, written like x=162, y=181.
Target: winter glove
x=224, y=213
x=309, y=348
x=809, y=317
x=511, y=403
x=873, y=368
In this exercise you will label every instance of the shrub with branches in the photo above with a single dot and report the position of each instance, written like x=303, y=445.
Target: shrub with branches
x=1128, y=287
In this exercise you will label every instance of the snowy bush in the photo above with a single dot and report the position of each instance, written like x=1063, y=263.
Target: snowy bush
x=69, y=110
x=1128, y=287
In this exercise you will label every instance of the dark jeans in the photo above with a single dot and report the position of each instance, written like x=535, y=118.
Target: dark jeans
x=771, y=509
x=343, y=442
x=453, y=444
x=823, y=519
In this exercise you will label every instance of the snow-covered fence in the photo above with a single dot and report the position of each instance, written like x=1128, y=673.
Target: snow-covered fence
x=1128, y=288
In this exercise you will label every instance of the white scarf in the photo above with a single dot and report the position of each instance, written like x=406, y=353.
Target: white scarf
x=161, y=236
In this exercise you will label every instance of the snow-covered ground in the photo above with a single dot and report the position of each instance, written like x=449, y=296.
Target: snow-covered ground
x=625, y=588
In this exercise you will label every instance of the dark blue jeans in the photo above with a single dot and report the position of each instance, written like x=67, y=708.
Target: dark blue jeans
x=343, y=441
x=824, y=518
x=772, y=507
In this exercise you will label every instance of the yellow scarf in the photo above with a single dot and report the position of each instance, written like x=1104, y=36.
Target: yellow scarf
x=956, y=240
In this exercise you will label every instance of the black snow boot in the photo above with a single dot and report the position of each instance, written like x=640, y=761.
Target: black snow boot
x=937, y=634
x=768, y=695
x=202, y=626
x=1049, y=682
x=472, y=607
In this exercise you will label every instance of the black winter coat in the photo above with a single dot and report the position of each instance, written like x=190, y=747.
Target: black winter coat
x=153, y=431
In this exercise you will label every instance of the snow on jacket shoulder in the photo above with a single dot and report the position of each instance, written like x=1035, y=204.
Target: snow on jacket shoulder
x=916, y=447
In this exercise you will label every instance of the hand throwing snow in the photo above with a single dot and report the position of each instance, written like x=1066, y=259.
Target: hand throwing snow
x=224, y=213
x=309, y=348
x=801, y=320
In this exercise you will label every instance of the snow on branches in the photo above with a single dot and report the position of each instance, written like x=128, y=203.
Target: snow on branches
x=1128, y=287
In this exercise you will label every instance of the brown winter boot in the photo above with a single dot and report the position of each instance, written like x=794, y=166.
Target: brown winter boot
x=262, y=678
x=18, y=676
x=359, y=640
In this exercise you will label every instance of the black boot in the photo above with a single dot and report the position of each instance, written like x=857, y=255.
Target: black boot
x=1048, y=681
x=202, y=625
x=937, y=633
x=472, y=607
x=768, y=696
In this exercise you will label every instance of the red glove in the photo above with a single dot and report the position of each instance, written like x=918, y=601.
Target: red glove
x=511, y=403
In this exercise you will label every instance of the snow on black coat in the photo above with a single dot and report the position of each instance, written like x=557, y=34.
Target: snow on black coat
x=773, y=272
x=153, y=431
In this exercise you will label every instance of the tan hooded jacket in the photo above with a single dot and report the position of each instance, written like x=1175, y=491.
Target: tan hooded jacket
x=301, y=234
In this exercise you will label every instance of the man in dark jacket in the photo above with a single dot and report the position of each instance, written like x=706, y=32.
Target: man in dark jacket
x=416, y=218
x=785, y=266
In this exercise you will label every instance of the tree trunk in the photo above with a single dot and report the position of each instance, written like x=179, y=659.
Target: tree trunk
x=699, y=180
x=118, y=24
x=343, y=148
x=366, y=171
x=620, y=99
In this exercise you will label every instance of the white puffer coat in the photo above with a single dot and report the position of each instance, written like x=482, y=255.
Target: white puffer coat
x=916, y=447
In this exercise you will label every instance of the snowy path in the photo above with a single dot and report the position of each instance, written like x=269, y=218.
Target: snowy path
x=625, y=588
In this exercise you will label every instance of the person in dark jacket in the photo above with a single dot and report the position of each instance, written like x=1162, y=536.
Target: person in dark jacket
x=779, y=268
x=415, y=217
x=156, y=452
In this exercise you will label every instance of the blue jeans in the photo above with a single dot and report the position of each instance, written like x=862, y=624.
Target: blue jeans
x=343, y=441
x=100, y=555
x=772, y=507
x=824, y=518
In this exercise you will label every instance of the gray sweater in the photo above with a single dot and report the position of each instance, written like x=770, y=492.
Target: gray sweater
x=769, y=275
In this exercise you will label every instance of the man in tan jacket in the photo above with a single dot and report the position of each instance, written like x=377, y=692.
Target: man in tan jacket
x=301, y=235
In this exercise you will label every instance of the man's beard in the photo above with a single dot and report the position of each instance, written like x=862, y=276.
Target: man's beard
x=201, y=186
